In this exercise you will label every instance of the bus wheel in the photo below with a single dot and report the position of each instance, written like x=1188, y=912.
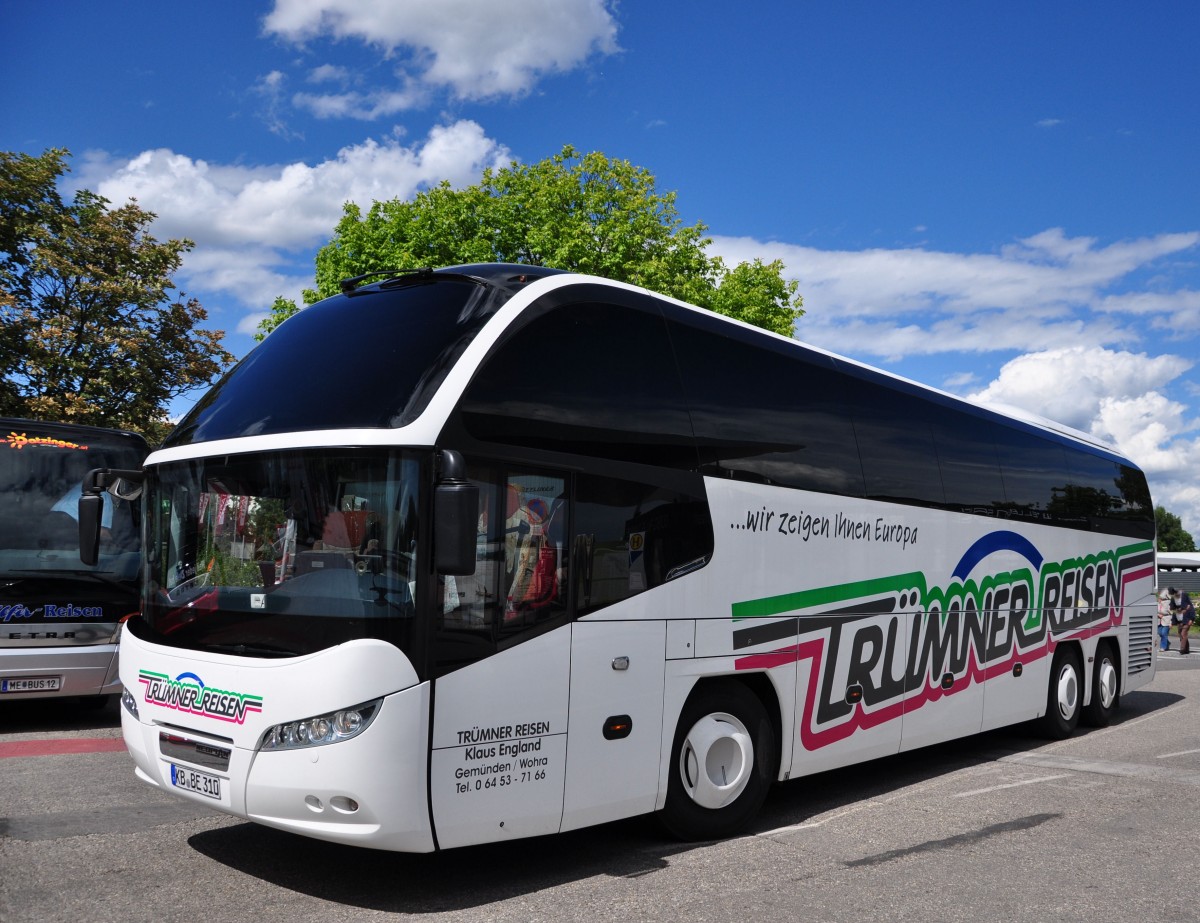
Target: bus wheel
x=1106, y=689
x=722, y=763
x=1064, y=696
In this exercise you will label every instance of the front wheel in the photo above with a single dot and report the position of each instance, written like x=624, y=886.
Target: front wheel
x=1064, y=695
x=1106, y=689
x=722, y=763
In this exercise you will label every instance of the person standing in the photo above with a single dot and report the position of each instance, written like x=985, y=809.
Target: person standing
x=1187, y=615
x=1164, y=620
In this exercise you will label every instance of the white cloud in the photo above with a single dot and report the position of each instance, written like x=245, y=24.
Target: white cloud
x=1072, y=384
x=246, y=220
x=959, y=381
x=364, y=106
x=472, y=49
x=293, y=205
x=1047, y=290
x=255, y=275
x=270, y=89
x=329, y=73
x=1149, y=428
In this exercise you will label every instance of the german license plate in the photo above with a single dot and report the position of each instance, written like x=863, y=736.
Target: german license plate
x=31, y=684
x=193, y=781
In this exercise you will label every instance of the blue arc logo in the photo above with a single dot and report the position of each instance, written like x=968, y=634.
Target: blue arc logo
x=990, y=544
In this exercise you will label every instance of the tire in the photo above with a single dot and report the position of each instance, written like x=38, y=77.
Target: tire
x=1106, y=689
x=1064, y=697
x=723, y=761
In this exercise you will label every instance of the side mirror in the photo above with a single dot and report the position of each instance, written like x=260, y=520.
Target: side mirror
x=91, y=511
x=121, y=483
x=455, y=519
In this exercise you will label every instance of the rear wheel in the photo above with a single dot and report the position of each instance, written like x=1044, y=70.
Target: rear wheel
x=1064, y=697
x=1106, y=689
x=722, y=763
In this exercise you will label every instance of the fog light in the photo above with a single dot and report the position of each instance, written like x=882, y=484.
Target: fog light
x=343, y=805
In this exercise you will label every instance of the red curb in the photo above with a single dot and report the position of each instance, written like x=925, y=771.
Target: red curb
x=58, y=746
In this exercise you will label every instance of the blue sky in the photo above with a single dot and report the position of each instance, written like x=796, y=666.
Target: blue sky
x=998, y=199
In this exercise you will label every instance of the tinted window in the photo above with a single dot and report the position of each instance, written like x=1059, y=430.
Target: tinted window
x=543, y=533
x=765, y=411
x=41, y=475
x=368, y=360
x=1090, y=489
x=282, y=553
x=1034, y=469
x=1137, y=510
x=632, y=537
x=1109, y=496
x=895, y=442
x=519, y=587
x=590, y=379
x=967, y=459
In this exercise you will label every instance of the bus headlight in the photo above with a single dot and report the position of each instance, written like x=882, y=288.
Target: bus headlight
x=317, y=731
x=130, y=703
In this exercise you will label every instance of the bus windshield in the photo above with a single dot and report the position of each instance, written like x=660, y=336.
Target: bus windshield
x=282, y=553
x=41, y=473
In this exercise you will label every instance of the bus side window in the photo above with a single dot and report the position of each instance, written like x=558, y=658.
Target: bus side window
x=521, y=562
x=969, y=463
x=895, y=441
x=533, y=549
x=766, y=412
x=470, y=602
x=1034, y=471
x=632, y=537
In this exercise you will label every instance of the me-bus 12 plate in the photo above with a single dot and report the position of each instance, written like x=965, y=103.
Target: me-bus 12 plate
x=31, y=684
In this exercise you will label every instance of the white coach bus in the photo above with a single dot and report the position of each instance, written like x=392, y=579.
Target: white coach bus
x=468, y=555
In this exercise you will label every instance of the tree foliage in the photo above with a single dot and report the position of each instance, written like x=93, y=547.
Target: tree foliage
x=586, y=213
x=92, y=332
x=1171, y=534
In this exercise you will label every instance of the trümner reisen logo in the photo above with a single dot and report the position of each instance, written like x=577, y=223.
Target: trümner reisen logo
x=187, y=693
x=904, y=642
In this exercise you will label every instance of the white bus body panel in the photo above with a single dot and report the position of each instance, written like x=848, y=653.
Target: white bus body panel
x=380, y=770
x=839, y=590
x=617, y=669
x=500, y=744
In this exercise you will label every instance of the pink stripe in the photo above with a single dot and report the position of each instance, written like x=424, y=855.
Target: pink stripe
x=58, y=746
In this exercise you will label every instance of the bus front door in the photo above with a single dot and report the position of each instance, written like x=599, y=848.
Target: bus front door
x=498, y=762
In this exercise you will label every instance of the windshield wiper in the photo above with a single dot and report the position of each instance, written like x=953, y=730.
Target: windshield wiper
x=409, y=276
x=56, y=573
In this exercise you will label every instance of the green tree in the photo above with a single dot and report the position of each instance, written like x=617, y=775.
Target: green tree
x=1171, y=534
x=281, y=310
x=92, y=333
x=582, y=212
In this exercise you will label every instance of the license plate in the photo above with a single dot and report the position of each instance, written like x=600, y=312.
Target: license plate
x=199, y=782
x=31, y=684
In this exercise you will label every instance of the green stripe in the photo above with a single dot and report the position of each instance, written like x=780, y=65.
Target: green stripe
x=828, y=596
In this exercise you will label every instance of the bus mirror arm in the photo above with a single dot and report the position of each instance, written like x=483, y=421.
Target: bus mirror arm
x=455, y=518
x=91, y=506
